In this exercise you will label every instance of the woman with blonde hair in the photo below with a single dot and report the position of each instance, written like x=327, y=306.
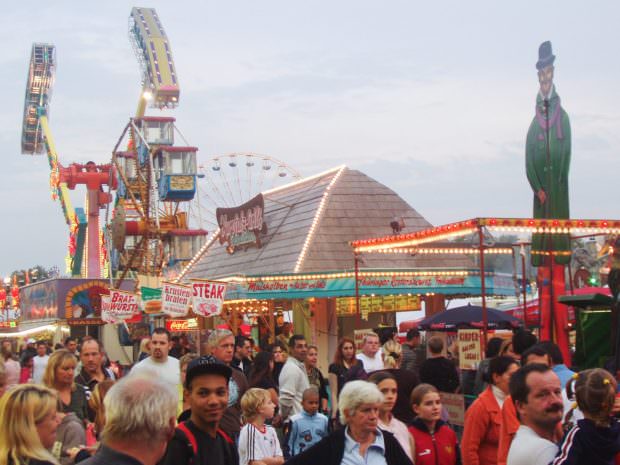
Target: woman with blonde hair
x=59, y=375
x=406, y=380
x=145, y=348
x=29, y=419
x=96, y=403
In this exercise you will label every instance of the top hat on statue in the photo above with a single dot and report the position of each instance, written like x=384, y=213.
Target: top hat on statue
x=545, y=55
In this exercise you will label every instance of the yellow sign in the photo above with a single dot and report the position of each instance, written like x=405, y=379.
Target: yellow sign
x=470, y=350
x=181, y=183
x=345, y=306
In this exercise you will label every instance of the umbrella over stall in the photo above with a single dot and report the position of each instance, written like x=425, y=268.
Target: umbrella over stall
x=469, y=316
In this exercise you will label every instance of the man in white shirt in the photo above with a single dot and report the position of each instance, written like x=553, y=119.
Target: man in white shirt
x=370, y=355
x=537, y=394
x=294, y=377
x=40, y=362
x=164, y=367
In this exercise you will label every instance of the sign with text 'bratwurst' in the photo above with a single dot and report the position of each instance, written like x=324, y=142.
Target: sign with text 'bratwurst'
x=175, y=299
x=242, y=226
x=207, y=297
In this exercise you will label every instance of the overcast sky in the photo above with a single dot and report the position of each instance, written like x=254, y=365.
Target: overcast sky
x=432, y=99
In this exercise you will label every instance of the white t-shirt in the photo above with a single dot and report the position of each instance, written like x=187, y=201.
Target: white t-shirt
x=528, y=448
x=169, y=370
x=255, y=444
x=38, y=368
x=401, y=433
x=371, y=364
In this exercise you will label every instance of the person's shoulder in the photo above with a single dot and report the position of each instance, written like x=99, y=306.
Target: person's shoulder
x=296, y=417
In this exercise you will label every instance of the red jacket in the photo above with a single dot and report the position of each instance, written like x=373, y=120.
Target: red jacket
x=438, y=448
x=481, y=433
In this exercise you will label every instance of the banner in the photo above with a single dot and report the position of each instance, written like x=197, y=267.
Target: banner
x=106, y=315
x=470, y=350
x=151, y=300
x=123, y=305
x=455, y=406
x=175, y=299
x=207, y=297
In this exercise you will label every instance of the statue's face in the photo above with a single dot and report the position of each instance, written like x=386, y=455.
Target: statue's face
x=545, y=78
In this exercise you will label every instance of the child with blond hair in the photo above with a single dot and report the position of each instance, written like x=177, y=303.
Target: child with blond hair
x=258, y=442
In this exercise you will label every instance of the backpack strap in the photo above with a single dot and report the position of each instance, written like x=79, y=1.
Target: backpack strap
x=189, y=435
x=224, y=435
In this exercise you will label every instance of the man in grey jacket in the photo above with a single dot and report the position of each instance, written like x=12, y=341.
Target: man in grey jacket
x=293, y=377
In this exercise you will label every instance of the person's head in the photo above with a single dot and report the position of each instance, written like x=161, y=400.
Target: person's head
x=221, y=343
x=310, y=400
x=392, y=352
x=140, y=412
x=41, y=348
x=160, y=345
x=493, y=346
x=359, y=403
x=388, y=386
x=370, y=344
x=345, y=352
x=312, y=356
x=95, y=402
x=507, y=349
x=536, y=354
x=206, y=389
x=555, y=354
x=29, y=418
x=145, y=345
x=7, y=346
x=91, y=356
x=183, y=362
x=501, y=369
x=426, y=403
x=298, y=347
x=435, y=345
x=71, y=344
x=175, y=341
x=243, y=347
x=413, y=337
x=595, y=391
x=60, y=370
x=256, y=402
x=522, y=340
x=28, y=360
x=279, y=351
x=537, y=394
x=31, y=342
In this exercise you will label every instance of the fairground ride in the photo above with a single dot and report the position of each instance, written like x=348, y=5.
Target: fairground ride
x=85, y=237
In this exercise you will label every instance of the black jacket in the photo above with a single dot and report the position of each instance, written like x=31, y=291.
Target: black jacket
x=330, y=450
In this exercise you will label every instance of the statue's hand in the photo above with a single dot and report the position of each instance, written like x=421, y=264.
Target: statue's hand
x=542, y=196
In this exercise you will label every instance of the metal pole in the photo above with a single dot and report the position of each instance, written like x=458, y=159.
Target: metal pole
x=358, y=321
x=483, y=289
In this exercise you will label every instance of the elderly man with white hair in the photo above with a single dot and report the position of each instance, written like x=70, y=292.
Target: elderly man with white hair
x=140, y=415
x=360, y=442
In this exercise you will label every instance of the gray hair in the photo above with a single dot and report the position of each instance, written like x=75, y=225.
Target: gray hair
x=368, y=335
x=217, y=335
x=356, y=393
x=140, y=408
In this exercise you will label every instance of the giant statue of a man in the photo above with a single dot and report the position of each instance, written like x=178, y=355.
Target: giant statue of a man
x=547, y=160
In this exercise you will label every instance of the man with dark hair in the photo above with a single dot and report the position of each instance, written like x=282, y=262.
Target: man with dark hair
x=413, y=353
x=536, y=354
x=522, y=340
x=557, y=362
x=536, y=392
x=176, y=350
x=40, y=362
x=241, y=359
x=159, y=362
x=294, y=377
x=93, y=371
x=71, y=345
x=438, y=370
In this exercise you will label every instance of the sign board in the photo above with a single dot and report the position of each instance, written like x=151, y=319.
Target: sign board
x=470, y=348
x=345, y=306
x=151, y=300
x=123, y=305
x=242, y=226
x=207, y=297
x=455, y=406
x=178, y=326
x=175, y=299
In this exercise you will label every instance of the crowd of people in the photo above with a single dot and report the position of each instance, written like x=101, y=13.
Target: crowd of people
x=236, y=405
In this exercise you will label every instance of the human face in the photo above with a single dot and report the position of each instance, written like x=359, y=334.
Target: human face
x=501, y=381
x=300, y=351
x=41, y=350
x=545, y=78
x=225, y=349
x=277, y=355
x=208, y=398
x=312, y=357
x=71, y=346
x=244, y=351
x=544, y=407
x=371, y=346
x=429, y=409
x=389, y=389
x=91, y=357
x=46, y=428
x=64, y=374
x=310, y=404
x=268, y=409
x=348, y=351
x=542, y=359
x=6, y=345
x=364, y=419
x=160, y=346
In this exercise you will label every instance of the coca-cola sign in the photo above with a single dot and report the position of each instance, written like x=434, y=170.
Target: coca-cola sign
x=242, y=226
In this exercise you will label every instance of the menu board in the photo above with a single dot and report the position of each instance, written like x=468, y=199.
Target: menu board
x=345, y=306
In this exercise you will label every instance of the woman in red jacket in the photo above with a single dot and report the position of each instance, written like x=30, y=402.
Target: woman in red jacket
x=484, y=417
x=434, y=442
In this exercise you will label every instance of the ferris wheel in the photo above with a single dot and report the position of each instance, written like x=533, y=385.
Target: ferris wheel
x=231, y=180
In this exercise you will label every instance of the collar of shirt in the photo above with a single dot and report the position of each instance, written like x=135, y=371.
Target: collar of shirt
x=106, y=454
x=294, y=361
x=351, y=444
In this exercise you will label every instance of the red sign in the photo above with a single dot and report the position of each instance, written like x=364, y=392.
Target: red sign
x=177, y=326
x=243, y=225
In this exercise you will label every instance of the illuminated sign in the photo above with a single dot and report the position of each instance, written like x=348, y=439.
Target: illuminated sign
x=242, y=226
x=176, y=326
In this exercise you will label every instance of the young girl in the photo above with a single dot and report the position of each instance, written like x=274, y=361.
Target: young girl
x=389, y=388
x=434, y=442
x=258, y=442
x=594, y=440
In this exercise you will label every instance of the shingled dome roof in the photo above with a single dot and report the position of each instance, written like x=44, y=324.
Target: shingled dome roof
x=310, y=224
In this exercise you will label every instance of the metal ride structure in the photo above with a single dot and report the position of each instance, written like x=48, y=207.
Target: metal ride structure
x=85, y=235
x=149, y=228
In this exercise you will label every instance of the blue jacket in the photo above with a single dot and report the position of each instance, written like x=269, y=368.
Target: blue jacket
x=305, y=431
x=587, y=444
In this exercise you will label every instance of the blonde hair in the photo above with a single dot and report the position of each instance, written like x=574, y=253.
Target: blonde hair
x=96, y=402
x=418, y=393
x=57, y=360
x=20, y=410
x=252, y=401
x=144, y=345
x=392, y=352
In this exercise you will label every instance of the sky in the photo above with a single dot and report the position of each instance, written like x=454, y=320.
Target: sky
x=433, y=99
